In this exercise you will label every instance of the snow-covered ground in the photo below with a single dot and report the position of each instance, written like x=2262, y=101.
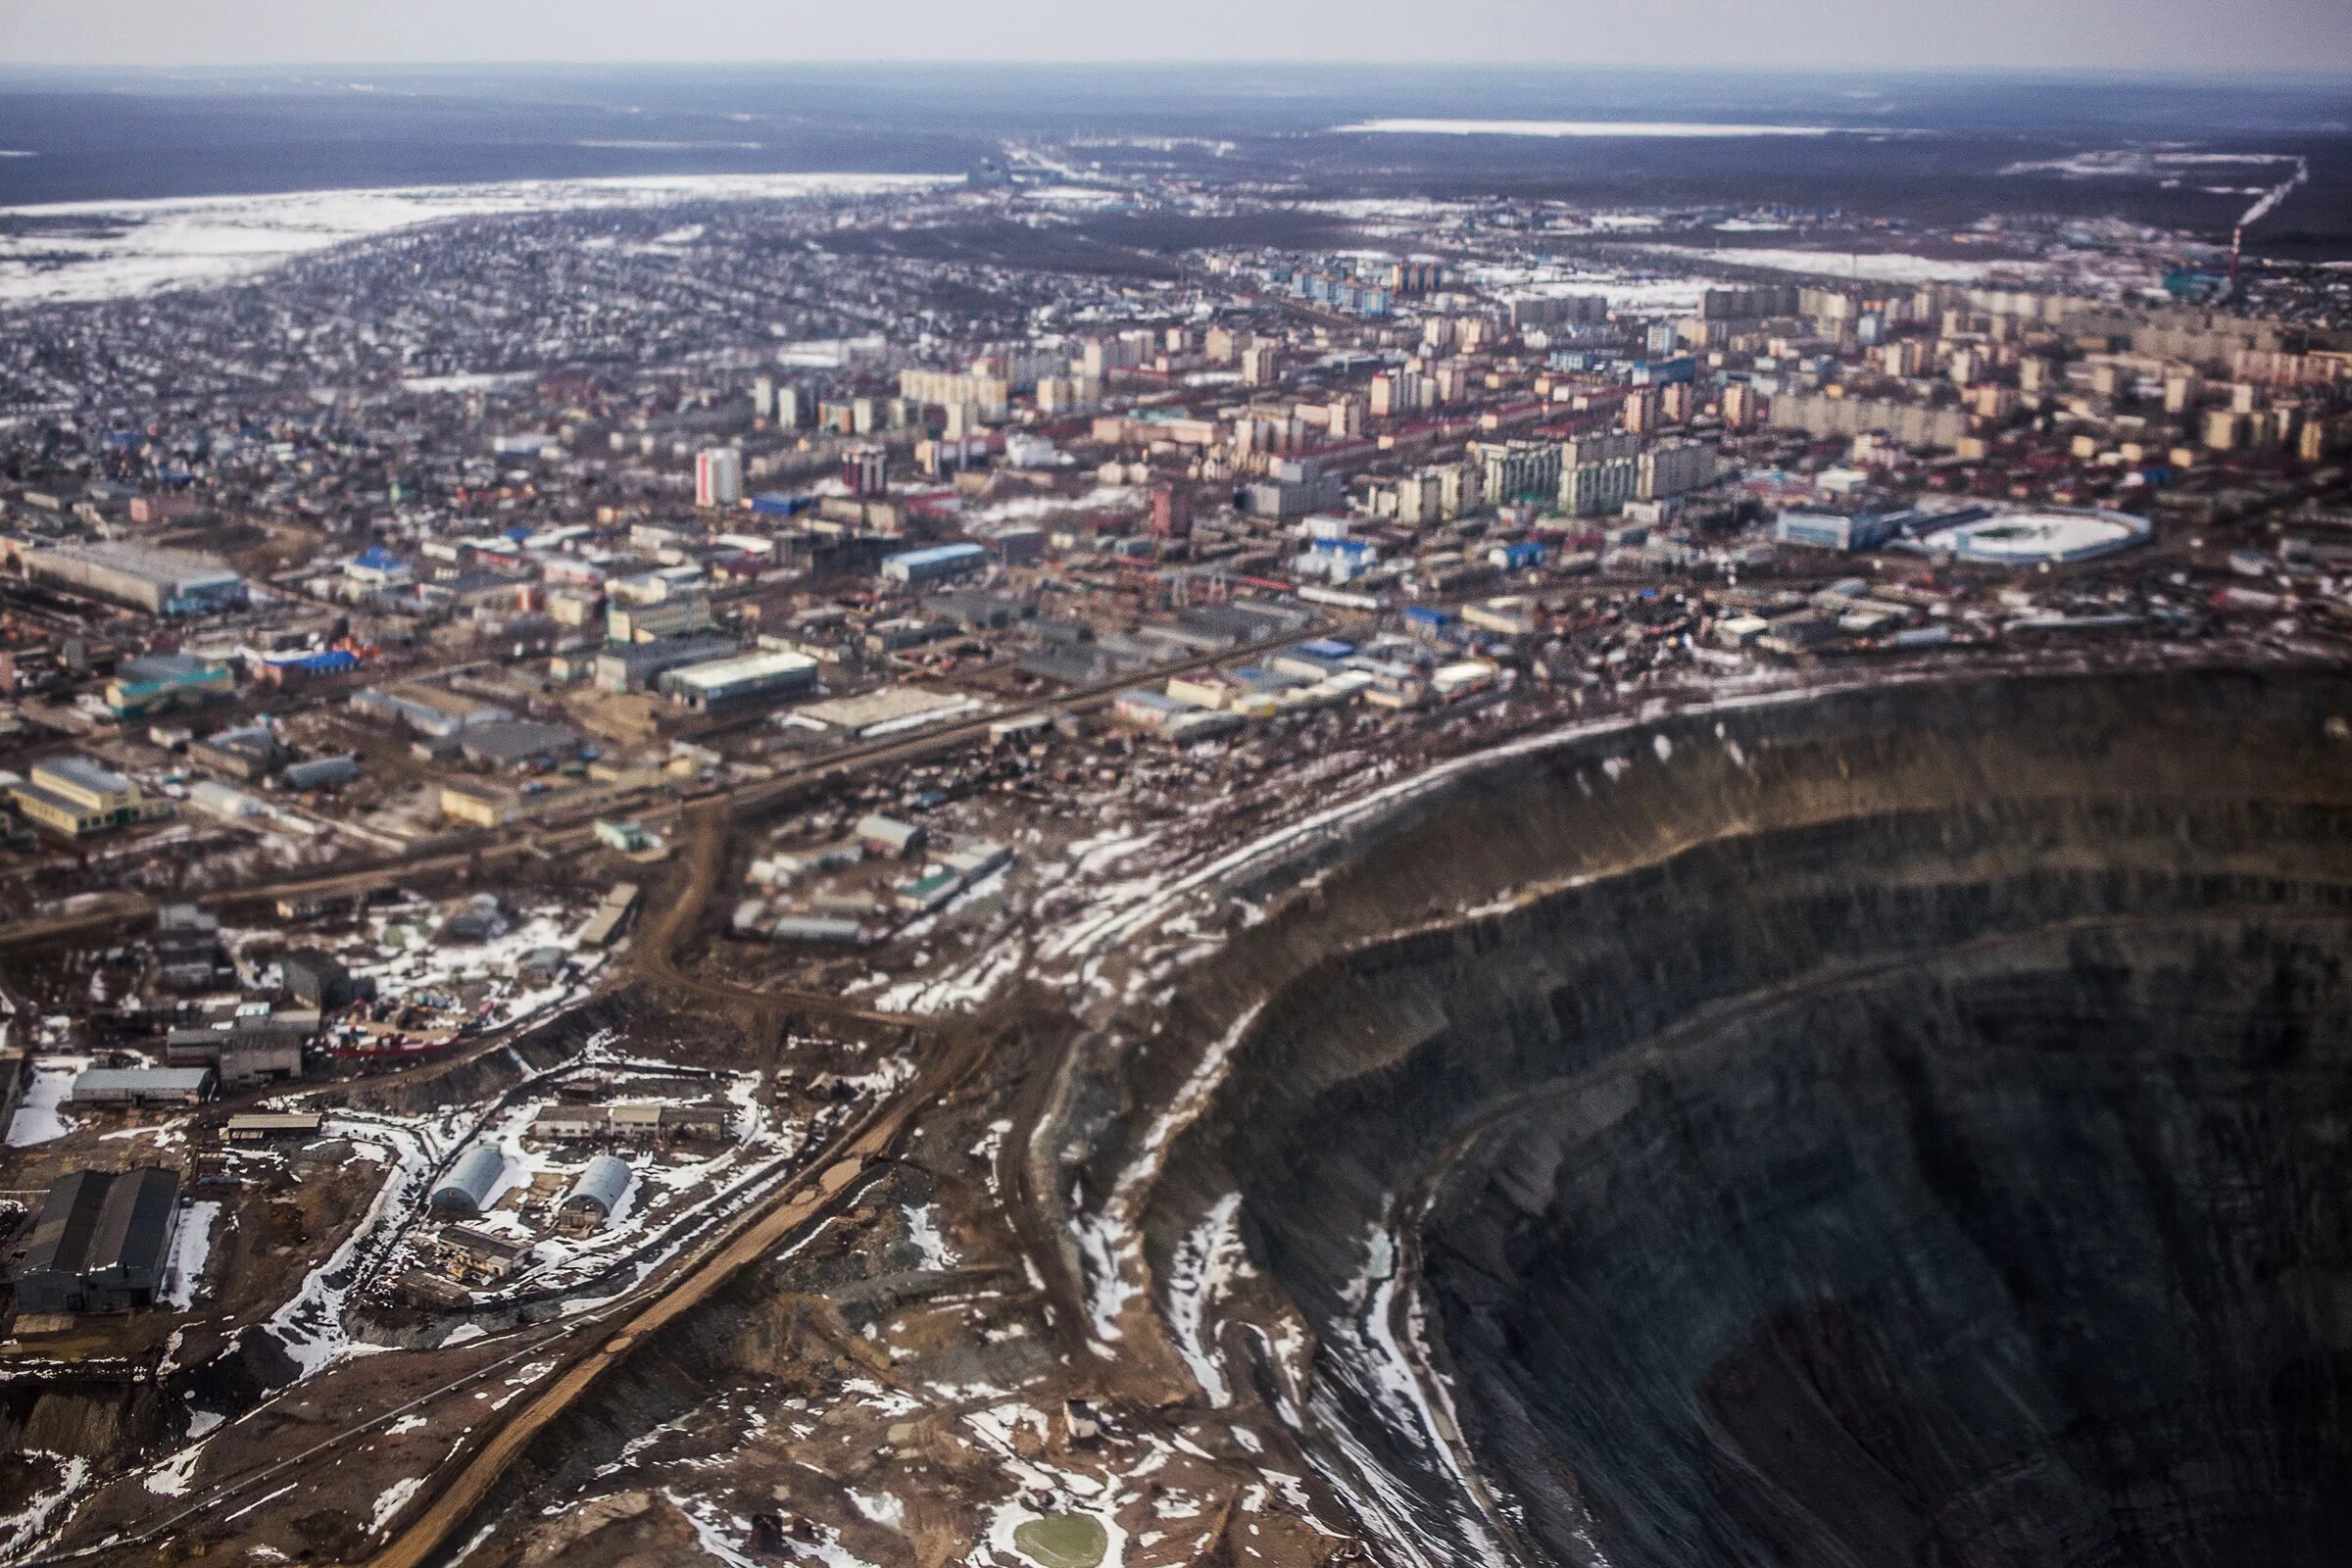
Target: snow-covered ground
x=38, y=1119
x=1671, y=129
x=138, y=247
x=1874, y=266
x=191, y=1247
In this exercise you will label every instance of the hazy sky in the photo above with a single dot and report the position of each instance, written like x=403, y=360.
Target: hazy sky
x=2161, y=34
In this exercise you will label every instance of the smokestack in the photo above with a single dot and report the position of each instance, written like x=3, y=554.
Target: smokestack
x=2237, y=243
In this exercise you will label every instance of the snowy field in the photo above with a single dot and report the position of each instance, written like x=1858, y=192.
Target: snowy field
x=1887, y=266
x=1678, y=129
x=138, y=247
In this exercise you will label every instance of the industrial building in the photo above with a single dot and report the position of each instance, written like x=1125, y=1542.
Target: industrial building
x=76, y=796
x=320, y=773
x=517, y=743
x=603, y=926
x=936, y=563
x=726, y=683
x=142, y=1086
x=1845, y=531
x=101, y=1244
x=429, y=710
x=466, y=1189
x=162, y=582
x=637, y=666
x=161, y=682
x=593, y=1196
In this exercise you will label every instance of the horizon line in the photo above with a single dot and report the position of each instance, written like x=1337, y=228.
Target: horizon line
x=2341, y=74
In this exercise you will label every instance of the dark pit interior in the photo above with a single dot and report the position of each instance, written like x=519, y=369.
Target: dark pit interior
x=1900, y=1130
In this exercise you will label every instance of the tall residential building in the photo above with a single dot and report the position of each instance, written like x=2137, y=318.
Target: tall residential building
x=1738, y=405
x=1438, y=494
x=763, y=396
x=1511, y=469
x=1674, y=467
x=1397, y=394
x=1261, y=364
x=1067, y=394
x=1598, y=473
x=990, y=394
x=1171, y=510
x=1346, y=420
x=717, y=477
x=866, y=470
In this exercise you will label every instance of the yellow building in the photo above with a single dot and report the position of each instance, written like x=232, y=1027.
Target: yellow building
x=76, y=796
x=478, y=805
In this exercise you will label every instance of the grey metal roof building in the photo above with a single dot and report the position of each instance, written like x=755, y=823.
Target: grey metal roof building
x=142, y=1086
x=101, y=1242
x=162, y=582
x=469, y=1182
x=517, y=743
x=600, y=1185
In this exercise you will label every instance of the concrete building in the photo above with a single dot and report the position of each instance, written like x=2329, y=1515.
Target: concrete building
x=1599, y=474
x=480, y=804
x=250, y=754
x=1913, y=425
x=1509, y=471
x=992, y=395
x=1675, y=467
x=161, y=582
x=717, y=477
x=635, y=668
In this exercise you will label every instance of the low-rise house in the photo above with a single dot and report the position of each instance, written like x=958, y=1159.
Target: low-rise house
x=636, y=1122
x=572, y=1124
x=261, y=1126
x=479, y=1257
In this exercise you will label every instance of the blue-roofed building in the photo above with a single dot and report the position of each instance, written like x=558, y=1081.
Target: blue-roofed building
x=935, y=563
x=377, y=571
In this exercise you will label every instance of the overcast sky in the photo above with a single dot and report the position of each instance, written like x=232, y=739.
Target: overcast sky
x=2160, y=34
